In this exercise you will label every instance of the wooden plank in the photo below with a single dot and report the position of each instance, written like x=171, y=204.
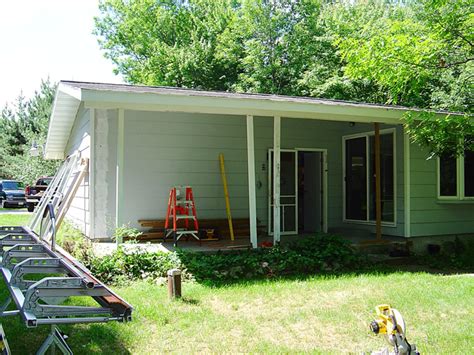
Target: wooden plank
x=205, y=223
x=71, y=193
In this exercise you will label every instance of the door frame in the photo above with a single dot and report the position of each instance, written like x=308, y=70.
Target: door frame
x=367, y=134
x=324, y=186
x=270, y=197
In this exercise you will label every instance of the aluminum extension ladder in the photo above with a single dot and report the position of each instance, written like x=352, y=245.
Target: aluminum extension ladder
x=26, y=251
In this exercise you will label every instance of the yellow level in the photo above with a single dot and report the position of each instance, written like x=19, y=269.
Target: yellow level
x=226, y=194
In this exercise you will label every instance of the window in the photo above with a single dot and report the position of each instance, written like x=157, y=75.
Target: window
x=359, y=179
x=456, y=177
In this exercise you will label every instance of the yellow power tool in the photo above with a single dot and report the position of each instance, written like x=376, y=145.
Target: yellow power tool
x=390, y=323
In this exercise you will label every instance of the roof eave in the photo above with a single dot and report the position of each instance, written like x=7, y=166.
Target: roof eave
x=257, y=106
x=66, y=104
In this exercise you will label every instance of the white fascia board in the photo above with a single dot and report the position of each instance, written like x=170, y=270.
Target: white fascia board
x=49, y=155
x=258, y=106
x=70, y=90
x=65, y=107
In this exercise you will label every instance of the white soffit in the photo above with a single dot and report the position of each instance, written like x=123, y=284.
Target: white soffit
x=65, y=107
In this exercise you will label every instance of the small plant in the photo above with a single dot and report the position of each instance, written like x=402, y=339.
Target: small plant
x=75, y=242
x=136, y=264
x=127, y=232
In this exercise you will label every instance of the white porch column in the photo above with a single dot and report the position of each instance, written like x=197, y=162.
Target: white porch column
x=251, y=177
x=406, y=183
x=92, y=174
x=119, y=200
x=276, y=179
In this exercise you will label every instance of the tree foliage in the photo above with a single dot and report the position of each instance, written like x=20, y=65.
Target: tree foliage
x=166, y=42
x=412, y=53
x=421, y=55
x=22, y=125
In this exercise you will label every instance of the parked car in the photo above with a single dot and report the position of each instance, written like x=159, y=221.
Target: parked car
x=12, y=194
x=35, y=192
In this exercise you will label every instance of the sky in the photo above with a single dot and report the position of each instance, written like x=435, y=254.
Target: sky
x=48, y=38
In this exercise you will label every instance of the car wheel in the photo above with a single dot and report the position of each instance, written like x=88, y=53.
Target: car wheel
x=30, y=208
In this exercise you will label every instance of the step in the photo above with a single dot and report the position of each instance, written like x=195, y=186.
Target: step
x=185, y=202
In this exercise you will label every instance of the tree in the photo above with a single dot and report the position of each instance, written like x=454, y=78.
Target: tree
x=266, y=46
x=418, y=54
x=424, y=58
x=21, y=126
x=169, y=42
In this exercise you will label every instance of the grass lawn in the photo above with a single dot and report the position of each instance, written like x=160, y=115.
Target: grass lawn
x=318, y=315
x=13, y=219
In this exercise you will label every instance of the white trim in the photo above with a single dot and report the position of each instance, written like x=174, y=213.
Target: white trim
x=70, y=90
x=296, y=192
x=276, y=178
x=251, y=180
x=119, y=96
x=460, y=183
x=92, y=174
x=407, y=185
x=170, y=99
x=324, y=173
x=367, y=177
x=282, y=206
x=119, y=200
x=367, y=135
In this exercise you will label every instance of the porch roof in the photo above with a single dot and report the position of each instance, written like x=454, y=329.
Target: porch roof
x=70, y=94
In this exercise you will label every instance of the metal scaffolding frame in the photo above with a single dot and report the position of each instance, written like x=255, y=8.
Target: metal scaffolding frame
x=26, y=251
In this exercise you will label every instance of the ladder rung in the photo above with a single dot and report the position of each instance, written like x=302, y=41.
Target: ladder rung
x=184, y=216
x=184, y=202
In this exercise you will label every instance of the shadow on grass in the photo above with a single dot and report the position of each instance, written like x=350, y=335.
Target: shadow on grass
x=369, y=270
x=82, y=338
x=319, y=256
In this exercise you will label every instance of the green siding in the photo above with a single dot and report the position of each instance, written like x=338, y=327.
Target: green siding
x=430, y=217
x=166, y=149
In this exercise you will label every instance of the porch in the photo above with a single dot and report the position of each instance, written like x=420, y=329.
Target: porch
x=326, y=181
x=292, y=170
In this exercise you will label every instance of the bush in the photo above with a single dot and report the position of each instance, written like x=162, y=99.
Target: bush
x=125, y=265
x=312, y=255
x=74, y=242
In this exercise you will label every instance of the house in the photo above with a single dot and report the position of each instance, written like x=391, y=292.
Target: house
x=143, y=140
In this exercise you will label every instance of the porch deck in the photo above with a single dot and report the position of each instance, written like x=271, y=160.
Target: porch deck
x=360, y=241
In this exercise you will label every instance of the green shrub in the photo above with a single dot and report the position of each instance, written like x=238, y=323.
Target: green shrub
x=125, y=231
x=133, y=264
x=74, y=242
x=312, y=255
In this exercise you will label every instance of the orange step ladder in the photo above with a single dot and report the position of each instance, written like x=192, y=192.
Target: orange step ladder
x=181, y=208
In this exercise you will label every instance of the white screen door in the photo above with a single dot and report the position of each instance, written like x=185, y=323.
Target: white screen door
x=288, y=191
